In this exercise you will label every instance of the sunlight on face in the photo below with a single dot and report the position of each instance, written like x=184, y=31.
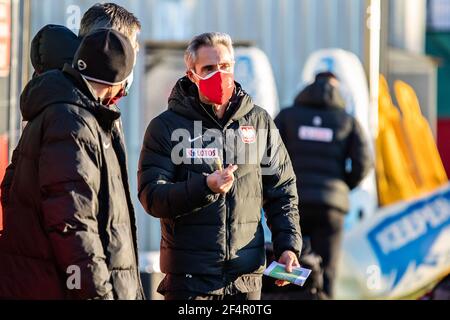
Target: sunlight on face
x=210, y=59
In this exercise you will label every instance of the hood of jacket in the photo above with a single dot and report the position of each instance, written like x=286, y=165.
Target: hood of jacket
x=52, y=47
x=320, y=94
x=61, y=87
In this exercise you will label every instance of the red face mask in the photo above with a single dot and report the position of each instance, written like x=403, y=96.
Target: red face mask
x=116, y=99
x=217, y=87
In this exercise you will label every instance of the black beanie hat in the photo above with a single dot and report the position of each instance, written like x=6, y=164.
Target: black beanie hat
x=105, y=56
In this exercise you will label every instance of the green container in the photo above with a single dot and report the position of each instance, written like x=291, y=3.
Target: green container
x=438, y=46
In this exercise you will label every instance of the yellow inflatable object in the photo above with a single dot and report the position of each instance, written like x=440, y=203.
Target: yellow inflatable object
x=393, y=168
x=429, y=168
x=408, y=163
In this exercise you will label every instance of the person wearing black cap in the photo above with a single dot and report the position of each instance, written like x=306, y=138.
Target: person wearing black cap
x=321, y=137
x=70, y=229
x=106, y=81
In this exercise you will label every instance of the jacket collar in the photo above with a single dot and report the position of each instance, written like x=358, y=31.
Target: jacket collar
x=320, y=94
x=106, y=115
x=184, y=100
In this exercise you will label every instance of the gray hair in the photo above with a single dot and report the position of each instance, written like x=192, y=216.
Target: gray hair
x=209, y=39
x=109, y=15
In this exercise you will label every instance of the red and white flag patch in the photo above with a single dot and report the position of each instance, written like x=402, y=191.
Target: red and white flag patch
x=248, y=134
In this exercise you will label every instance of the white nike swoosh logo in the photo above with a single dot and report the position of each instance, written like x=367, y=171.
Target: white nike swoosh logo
x=106, y=145
x=192, y=140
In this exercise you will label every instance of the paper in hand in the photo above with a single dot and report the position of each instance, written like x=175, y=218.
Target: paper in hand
x=298, y=275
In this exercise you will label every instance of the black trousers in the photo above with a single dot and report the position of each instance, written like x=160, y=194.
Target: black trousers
x=189, y=295
x=323, y=225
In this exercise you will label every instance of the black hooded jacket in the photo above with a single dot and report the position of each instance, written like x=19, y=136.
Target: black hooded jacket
x=217, y=237
x=320, y=136
x=52, y=47
x=66, y=199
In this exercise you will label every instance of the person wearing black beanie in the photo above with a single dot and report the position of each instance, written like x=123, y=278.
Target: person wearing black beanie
x=105, y=60
x=70, y=227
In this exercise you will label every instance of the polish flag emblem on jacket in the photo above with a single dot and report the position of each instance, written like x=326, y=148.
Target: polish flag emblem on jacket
x=248, y=134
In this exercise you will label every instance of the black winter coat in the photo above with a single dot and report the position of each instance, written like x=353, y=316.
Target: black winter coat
x=208, y=234
x=320, y=137
x=66, y=199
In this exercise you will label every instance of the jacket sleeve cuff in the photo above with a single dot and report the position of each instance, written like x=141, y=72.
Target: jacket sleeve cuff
x=200, y=194
x=293, y=245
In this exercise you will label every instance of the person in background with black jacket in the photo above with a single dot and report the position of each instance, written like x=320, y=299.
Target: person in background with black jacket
x=209, y=203
x=321, y=137
x=69, y=224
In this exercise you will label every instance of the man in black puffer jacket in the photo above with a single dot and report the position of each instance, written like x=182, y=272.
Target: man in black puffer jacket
x=212, y=244
x=69, y=223
x=320, y=137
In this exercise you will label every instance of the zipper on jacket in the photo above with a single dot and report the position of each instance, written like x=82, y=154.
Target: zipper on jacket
x=227, y=213
x=212, y=118
x=226, y=229
x=228, y=219
x=227, y=242
x=225, y=200
x=227, y=210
